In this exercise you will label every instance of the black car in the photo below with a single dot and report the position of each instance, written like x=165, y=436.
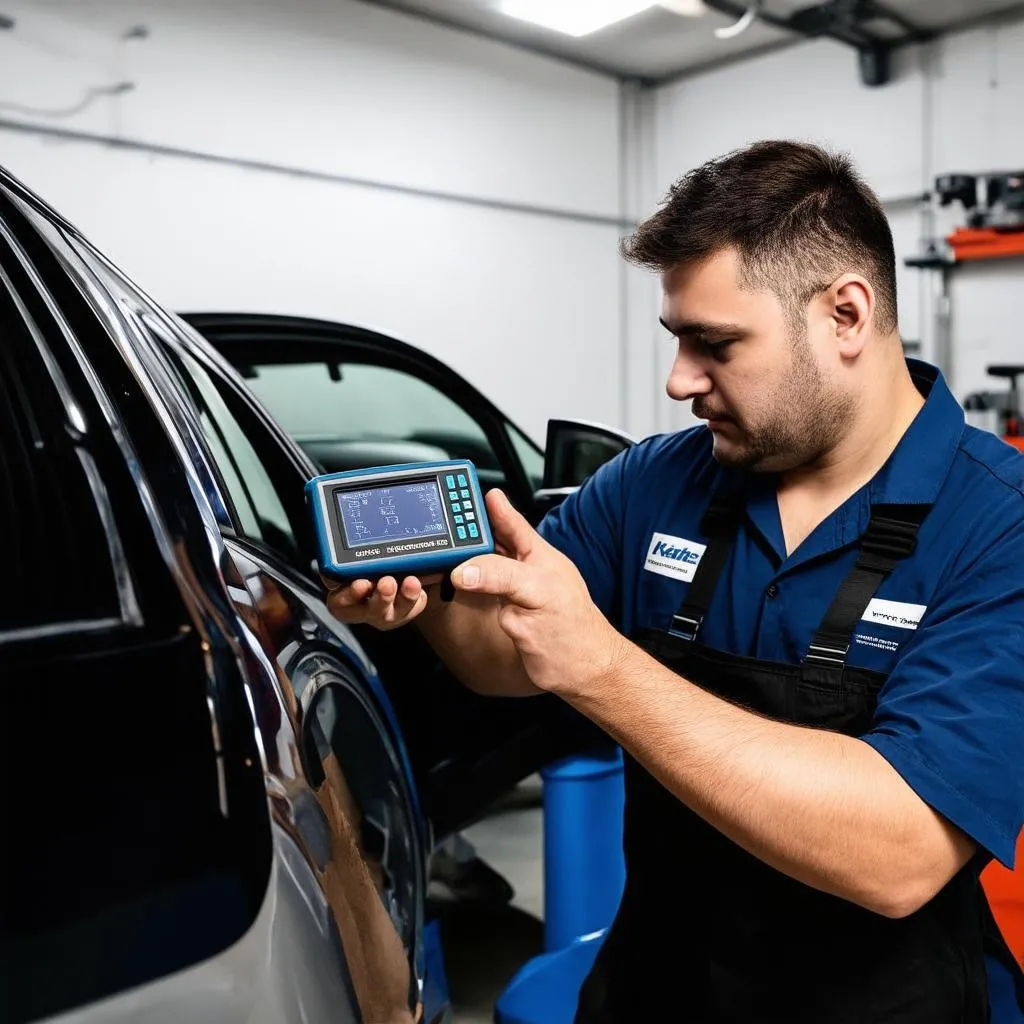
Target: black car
x=223, y=800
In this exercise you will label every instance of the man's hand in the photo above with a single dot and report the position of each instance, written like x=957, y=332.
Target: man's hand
x=564, y=641
x=384, y=605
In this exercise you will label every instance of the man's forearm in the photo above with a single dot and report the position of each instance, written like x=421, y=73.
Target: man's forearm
x=466, y=636
x=823, y=808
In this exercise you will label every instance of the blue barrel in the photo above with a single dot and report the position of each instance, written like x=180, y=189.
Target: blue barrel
x=584, y=869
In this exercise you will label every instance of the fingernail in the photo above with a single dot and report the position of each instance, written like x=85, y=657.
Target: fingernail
x=469, y=576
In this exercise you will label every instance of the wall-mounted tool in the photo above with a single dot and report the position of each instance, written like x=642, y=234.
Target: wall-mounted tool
x=999, y=411
x=993, y=204
x=1012, y=420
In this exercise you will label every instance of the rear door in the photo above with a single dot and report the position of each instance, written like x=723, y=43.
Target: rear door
x=466, y=750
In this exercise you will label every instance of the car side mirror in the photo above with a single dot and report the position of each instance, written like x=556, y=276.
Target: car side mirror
x=574, y=451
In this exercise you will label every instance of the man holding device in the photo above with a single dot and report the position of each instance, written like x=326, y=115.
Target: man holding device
x=803, y=622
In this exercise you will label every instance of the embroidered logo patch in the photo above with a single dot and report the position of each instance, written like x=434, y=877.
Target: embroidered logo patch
x=894, y=613
x=674, y=557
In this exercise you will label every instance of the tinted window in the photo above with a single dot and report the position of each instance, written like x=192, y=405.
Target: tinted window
x=49, y=492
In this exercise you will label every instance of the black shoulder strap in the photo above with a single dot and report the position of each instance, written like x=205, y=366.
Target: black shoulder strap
x=719, y=524
x=890, y=537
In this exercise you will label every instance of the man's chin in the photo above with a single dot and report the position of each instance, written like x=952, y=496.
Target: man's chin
x=752, y=461
x=734, y=455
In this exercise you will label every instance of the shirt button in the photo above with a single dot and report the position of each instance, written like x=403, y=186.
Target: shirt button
x=772, y=591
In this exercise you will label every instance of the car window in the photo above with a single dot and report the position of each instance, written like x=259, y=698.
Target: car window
x=530, y=456
x=259, y=512
x=51, y=500
x=352, y=415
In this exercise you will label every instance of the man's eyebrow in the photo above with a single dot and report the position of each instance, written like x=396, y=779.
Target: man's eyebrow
x=702, y=328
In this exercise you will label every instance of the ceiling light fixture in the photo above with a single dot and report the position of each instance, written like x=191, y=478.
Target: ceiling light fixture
x=574, y=17
x=685, y=8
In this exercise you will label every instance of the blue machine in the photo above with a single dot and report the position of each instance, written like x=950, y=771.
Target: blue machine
x=408, y=520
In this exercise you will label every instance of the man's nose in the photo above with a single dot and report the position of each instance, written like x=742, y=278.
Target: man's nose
x=688, y=378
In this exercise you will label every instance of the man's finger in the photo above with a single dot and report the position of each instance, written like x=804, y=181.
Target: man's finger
x=511, y=531
x=347, y=596
x=408, y=597
x=382, y=601
x=499, y=577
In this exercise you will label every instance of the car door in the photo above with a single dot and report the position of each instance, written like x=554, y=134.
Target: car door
x=139, y=849
x=339, y=933
x=466, y=750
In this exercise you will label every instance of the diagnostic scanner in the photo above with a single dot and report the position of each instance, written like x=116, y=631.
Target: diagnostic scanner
x=408, y=520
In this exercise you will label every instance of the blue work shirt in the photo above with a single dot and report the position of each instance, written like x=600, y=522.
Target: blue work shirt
x=947, y=626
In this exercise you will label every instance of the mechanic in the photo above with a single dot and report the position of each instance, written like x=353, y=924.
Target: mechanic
x=803, y=621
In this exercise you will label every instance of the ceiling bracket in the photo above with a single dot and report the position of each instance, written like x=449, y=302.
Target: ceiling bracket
x=852, y=22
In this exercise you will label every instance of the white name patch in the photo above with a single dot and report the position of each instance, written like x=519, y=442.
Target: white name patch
x=894, y=613
x=675, y=557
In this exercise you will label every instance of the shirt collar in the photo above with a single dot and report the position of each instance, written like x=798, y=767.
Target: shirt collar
x=918, y=467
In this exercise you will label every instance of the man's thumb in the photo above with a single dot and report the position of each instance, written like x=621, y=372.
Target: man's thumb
x=510, y=529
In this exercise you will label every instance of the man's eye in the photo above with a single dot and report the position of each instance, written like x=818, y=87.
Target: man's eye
x=717, y=349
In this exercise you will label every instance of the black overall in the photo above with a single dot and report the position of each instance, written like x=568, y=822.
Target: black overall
x=707, y=932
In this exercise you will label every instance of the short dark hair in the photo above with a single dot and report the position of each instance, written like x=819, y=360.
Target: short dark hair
x=798, y=215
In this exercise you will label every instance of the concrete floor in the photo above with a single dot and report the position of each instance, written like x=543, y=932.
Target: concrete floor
x=485, y=945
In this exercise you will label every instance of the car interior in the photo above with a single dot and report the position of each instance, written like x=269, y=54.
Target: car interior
x=356, y=415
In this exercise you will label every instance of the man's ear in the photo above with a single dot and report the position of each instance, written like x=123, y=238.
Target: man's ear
x=852, y=302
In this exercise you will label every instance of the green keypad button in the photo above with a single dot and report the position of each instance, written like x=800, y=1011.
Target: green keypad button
x=463, y=482
x=456, y=507
x=473, y=531
x=450, y=481
x=462, y=532
x=459, y=519
x=453, y=495
x=466, y=494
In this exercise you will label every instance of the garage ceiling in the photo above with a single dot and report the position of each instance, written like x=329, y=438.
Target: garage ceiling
x=656, y=44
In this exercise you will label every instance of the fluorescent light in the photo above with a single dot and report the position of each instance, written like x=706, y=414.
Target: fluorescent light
x=573, y=17
x=685, y=8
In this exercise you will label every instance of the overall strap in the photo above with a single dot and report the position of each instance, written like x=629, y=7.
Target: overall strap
x=890, y=537
x=719, y=524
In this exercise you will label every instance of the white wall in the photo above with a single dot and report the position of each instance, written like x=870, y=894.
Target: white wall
x=526, y=304
x=954, y=105
x=534, y=307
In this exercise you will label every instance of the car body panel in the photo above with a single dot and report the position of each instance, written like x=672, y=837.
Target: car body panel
x=283, y=970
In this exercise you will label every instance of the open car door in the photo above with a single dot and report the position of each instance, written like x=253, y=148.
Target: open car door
x=350, y=398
